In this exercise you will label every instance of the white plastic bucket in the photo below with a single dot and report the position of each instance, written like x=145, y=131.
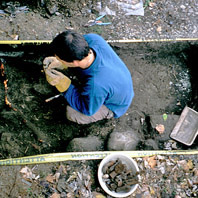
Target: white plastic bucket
x=131, y=165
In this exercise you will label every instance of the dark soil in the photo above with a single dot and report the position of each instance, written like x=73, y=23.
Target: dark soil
x=164, y=82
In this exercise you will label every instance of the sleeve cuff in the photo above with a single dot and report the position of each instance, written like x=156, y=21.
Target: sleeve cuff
x=68, y=93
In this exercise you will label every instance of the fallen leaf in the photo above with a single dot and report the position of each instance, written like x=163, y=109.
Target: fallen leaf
x=55, y=195
x=160, y=128
x=190, y=164
x=151, y=161
x=15, y=36
x=195, y=180
x=152, y=191
x=185, y=165
x=189, y=182
x=61, y=169
x=165, y=116
x=50, y=178
x=151, y=4
x=27, y=173
x=56, y=176
x=157, y=22
x=175, y=176
x=98, y=195
x=25, y=170
x=195, y=172
x=159, y=28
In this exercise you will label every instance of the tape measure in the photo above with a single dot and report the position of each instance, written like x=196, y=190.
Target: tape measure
x=20, y=42
x=151, y=40
x=73, y=156
x=12, y=42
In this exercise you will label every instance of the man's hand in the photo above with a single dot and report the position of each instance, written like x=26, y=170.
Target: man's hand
x=57, y=79
x=52, y=62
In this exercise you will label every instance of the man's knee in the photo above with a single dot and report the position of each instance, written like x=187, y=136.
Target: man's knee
x=75, y=116
x=70, y=112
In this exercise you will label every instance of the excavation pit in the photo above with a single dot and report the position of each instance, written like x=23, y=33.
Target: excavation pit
x=165, y=81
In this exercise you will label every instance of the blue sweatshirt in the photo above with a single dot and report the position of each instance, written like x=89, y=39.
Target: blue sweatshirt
x=107, y=81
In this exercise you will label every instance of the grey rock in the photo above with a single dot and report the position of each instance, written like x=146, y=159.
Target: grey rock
x=90, y=143
x=123, y=141
x=151, y=144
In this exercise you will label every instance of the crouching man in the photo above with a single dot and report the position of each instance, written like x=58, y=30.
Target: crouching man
x=106, y=88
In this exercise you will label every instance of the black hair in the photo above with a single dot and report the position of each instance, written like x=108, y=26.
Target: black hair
x=70, y=46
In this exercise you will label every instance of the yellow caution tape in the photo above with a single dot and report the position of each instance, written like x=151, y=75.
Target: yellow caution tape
x=151, y=40
x=109, y=41
x=58, y=157
x=20, y=42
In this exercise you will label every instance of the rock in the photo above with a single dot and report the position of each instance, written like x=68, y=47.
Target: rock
x=151, y=144
x=123, y=141
x=90, y=143
x=168, y=123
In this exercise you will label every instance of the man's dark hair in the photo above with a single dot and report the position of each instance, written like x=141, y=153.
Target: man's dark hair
x=70, y=46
